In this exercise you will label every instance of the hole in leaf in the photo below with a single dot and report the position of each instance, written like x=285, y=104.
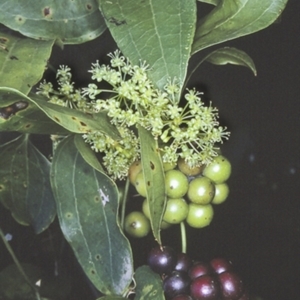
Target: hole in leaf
x=148, y=183
x=13, y=57
x=47, y=11
x=152, y=165
x=93, y=272
x=89, y=6
x=69, y=215
x=82, y=124
x=57, y=119
x=19, y=19
x=28, y=126
x=97, y=199
x=98, y=257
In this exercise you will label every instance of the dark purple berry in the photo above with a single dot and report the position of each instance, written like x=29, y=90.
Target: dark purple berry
x=205, y=287
x=220, y=265
x=199, y=269
x=183, y=262
x=232, y=287
x=162, y=260
x=176, y=283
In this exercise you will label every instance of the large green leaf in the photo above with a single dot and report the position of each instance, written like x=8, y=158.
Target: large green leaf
x=148, y=285
x=71, y=119
x=235, y=18
x=154, y=179
x=87, y=208
x=230, y=55
x=71, y=22
x=22, y=60
x=159, y=32
x=25, y=184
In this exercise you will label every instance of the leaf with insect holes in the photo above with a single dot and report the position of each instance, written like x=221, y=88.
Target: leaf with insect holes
x=71, y=119
x=70, y=22
x=87, y=209
x=155, y=31
x=154, y=179
x=22, y=60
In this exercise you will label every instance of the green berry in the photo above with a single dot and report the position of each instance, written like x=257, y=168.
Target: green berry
x=201, y=190
x=199, y=216
x=218, y=170
x=136, y=224
x=169, y=166
x=134, y=169
x=176, y=211
x=176, y=184
x=140, y=184
x=221, y=194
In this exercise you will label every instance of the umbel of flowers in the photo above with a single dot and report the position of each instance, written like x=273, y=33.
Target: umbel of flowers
x=190, y=131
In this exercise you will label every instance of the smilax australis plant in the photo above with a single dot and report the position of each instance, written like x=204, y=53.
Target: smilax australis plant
x=133, y=131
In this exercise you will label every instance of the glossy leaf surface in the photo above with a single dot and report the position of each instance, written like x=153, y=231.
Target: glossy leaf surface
x=25, y=184
x=87, y=208
x=155, y=31
x=71, y=119
x=154, y=179
x=71, y=22
x=148, y=285
x=22, y=60
x=236, y=18
x=229, y=55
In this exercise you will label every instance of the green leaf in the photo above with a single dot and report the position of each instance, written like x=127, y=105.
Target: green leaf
x=71, y=119
x=87, y=208
x=155, y=31
x=22, y=60
x=233, y=19
x=87, y=153
x=25, y=184
x=154, y=179
x=230, y=55
x=148, y=285
x=19, y=114
x=14, y=286
x=71, y=22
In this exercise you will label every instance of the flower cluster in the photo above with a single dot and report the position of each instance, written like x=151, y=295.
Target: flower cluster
x=190, y=131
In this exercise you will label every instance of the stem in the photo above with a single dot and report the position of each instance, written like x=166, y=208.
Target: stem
x=16, y=261
x=183, y=237
x=124, y=201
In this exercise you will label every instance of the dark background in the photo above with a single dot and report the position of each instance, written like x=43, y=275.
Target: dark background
x=258, y=227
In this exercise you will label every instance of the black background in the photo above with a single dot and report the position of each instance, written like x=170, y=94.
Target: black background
x=258, y=227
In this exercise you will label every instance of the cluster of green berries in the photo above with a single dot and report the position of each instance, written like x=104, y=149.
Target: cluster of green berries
x=191, y=194
x=189, y=131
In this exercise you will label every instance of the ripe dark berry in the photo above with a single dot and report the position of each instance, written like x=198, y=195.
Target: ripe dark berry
x=176, y=283
x=205, y=287
x=199, y=269
x=232, y=287
x=220, y=265
x=162, y=260
x=183, y=262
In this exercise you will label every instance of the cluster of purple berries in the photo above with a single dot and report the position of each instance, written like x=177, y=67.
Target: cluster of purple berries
x=184, y=279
